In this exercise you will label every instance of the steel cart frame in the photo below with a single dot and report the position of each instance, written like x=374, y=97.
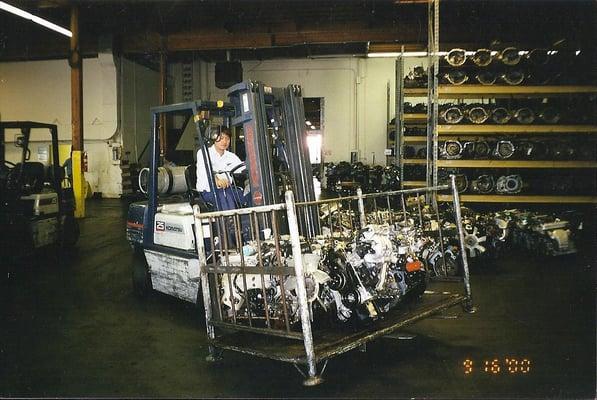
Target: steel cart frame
x=274, y=337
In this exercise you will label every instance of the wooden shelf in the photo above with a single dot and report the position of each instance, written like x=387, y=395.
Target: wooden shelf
x=480, y=198
x=419, y=161
x=513, y=129
x=513, y=164
x=501, y=91
x=415, y=139
x=415, y=117
x=414, y=184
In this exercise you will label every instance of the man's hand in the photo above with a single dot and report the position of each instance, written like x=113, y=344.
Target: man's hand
x=222, y=183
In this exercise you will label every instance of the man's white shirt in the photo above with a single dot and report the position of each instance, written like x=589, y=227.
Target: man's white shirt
x=219, y=163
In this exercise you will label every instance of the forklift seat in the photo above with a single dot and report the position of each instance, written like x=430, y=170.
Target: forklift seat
x=190, y=176
x=32, y=177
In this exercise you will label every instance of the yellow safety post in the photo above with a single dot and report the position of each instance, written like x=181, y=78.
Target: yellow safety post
x=79, y=184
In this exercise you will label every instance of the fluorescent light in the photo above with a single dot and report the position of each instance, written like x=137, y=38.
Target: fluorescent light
x=308, y=122
x=313, y=127
x=24, y=14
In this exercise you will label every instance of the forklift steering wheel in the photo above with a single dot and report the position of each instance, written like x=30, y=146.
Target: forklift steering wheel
x=236, y=168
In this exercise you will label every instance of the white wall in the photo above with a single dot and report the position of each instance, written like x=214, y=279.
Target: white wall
x=40, y=91
x=140, y=91
x=355, y=93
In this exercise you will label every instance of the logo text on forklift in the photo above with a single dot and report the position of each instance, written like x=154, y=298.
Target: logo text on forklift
x=163, y=226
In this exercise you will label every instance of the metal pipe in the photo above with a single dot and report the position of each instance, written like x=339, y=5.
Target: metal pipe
x=301, y=291
x=211, y=334
x=362, y=218
x=458, y=216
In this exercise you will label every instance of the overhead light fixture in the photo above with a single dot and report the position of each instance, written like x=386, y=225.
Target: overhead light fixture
x=24, y=14
x=308, y=122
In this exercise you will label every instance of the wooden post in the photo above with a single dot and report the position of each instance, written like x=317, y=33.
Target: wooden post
x=76, y=82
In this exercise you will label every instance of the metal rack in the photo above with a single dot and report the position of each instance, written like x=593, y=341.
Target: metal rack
x=437, y=133
x=291, y=335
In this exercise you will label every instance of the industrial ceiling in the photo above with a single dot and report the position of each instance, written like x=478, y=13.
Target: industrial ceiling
x=281, y=29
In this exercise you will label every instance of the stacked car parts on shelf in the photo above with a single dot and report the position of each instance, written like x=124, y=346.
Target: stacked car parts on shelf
x=503, y=131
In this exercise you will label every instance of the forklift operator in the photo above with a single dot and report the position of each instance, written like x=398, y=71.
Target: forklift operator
x=222, y=162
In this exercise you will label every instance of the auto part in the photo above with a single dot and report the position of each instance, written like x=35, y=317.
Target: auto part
x=509, y=56
x=482, y=57
x=501, y=115
x=452, y=115
x=477, y=114
x=452, y=149
x=456, y=57
x=456, y=76
x=550, y=115
x=524, y=115
x=510, y=184
x=486, y=77
x=504, y=149
x=484, y=184
x=513, y=76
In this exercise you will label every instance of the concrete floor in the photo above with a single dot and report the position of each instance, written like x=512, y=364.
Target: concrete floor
x=74, y=328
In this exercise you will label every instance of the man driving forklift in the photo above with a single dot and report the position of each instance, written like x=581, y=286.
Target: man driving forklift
x=223, y=163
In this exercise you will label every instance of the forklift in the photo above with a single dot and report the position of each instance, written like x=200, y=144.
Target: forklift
x=36, y=204
x=160, y=230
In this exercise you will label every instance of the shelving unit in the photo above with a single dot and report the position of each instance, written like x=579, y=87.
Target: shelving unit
x=497, y=198
x=501, y=91
x=490, y=129
x=515, y=164
x=437, y=133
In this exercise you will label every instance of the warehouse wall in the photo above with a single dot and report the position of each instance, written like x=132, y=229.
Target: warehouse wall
x=355, y=93
x=40, y=91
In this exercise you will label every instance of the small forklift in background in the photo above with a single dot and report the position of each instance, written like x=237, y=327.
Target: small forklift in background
x=36, y=206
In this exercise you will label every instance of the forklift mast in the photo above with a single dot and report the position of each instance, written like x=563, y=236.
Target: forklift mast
x=15, y=191
x=273, y=121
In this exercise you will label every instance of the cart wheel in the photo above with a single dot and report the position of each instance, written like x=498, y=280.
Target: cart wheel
x=141, y=276
x=70, y=231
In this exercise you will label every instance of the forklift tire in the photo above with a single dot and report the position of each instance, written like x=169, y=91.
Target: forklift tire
x=70, y=231
x=140, y=274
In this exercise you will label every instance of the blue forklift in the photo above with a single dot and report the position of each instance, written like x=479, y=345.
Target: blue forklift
x=271, y=135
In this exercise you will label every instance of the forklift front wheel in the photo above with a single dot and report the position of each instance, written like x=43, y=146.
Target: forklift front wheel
x=141, y=277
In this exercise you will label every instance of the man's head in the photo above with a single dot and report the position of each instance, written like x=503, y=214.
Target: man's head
x=223, y=141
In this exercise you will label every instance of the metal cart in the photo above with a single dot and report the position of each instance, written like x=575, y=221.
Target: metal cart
x=291, y=333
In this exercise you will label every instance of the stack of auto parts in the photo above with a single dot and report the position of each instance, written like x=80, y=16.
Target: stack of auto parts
x=541, y=234
x=344, y=178
x=510, y=66
x=525, y=113
x=416, y=78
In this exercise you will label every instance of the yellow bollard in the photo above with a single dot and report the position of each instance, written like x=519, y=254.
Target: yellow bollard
x=78, y=184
